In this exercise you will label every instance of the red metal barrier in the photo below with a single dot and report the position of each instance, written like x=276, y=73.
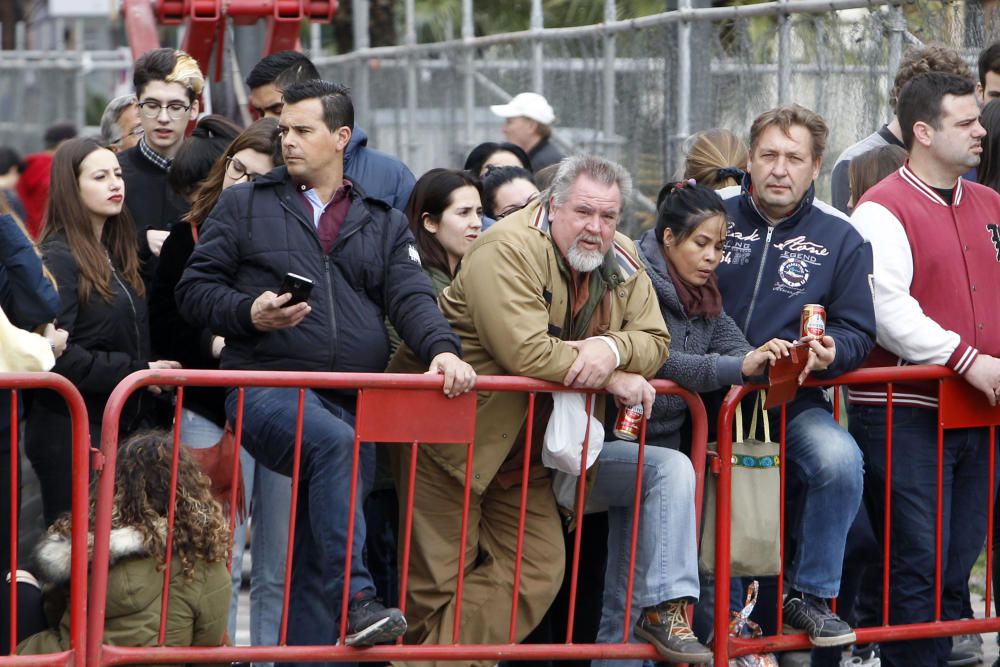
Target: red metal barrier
x=424, y=415
x=960, y=406
x=80, y=451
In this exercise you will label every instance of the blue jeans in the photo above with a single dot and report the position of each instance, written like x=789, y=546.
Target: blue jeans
x=324, y=487
x=965, y=496
x=828, y=467
x=666, y=561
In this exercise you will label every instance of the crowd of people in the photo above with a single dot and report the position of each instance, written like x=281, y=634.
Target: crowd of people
x=158, y=248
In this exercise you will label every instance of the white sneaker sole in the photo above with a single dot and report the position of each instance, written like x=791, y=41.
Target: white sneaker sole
x=381, y=631
x=823, y=642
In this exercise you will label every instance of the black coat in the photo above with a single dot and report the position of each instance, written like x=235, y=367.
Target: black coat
x=107, y=340
x=150, y=200
x=260, y=231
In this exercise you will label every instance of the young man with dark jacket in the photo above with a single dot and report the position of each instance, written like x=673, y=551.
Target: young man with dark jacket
x=785, y=249
x=167, y=84
x=937, y=266
x=307, y=218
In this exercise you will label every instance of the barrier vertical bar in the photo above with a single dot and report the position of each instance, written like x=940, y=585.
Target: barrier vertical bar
x=723, y=500
x=939, y=519
x=887, y=511
x=292, y=516
x=581, y=486
x=634, y=539
x=522, y=513
x=782, y=471
x=404, y=575
x=460, y=584
x=989, y=522
x=175, y=457
x=352, y=508
x=14, y=461
x=238, y=446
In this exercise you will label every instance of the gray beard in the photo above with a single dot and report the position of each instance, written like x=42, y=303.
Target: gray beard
x=582, y=260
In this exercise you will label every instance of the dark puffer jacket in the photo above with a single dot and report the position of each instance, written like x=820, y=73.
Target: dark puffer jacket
x=705, y=354
x=260, y=231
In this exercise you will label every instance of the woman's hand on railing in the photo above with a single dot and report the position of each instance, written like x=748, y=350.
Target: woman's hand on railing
x=756, y=361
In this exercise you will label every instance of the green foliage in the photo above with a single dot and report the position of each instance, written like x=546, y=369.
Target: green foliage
x=94, y=108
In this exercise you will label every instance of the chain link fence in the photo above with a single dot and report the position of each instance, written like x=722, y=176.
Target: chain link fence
x=632, y=90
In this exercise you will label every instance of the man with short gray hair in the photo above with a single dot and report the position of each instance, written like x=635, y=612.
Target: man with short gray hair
x=121, y=128
x=554, y=293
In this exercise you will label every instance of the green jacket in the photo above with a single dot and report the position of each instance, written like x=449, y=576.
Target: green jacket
x=509, y=305
x=197, y=615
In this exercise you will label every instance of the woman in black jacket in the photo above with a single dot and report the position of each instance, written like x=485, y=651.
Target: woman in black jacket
x=89, y=246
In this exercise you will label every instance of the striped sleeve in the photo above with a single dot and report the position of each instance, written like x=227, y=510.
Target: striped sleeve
x=901, y=325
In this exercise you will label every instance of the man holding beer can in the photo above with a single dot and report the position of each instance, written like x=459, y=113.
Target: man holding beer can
x=786, y=251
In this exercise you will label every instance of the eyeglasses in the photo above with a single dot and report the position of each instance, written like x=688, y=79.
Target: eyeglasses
x=152, y=108
x=236, y=170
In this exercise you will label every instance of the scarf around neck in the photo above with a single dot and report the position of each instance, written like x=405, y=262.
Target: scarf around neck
x=698, y=301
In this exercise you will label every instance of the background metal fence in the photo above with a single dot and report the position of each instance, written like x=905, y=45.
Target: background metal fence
x=634, y=90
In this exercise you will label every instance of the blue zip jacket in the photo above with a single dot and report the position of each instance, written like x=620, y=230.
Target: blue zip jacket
x=262, y=230
x=768, y=273
x=379, y=174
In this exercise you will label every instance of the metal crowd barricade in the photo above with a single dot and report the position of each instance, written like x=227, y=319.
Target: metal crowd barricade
x=79, y=449
x=391, y=408
x=959, y=406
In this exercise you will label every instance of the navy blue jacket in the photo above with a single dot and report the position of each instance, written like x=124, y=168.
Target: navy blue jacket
x=379, y=174
x=260, y=231
x=814, y=255
x=27, y=297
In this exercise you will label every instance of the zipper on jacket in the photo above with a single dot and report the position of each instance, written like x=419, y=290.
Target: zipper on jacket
x=760, y=274
x=135, y=315
x=329, y=305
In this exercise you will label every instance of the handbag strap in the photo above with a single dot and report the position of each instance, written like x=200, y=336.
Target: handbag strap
x=758, y=408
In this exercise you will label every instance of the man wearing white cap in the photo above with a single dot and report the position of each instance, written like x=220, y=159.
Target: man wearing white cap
x=528, y=124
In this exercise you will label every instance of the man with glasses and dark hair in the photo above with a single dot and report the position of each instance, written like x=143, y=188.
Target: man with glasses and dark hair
x=167, y=84
x=379, y=174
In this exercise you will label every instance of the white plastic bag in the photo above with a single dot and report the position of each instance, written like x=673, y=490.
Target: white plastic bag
x=563, y=444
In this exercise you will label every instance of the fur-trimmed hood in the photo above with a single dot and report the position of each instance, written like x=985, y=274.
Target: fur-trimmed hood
x=53, y=554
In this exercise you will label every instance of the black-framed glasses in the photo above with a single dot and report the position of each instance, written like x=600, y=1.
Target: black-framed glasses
x=236, y=170
x=152, y=108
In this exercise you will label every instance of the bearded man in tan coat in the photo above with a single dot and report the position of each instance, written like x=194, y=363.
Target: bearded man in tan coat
x=552, y=292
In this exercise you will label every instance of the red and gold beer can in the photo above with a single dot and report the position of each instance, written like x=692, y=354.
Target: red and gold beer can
x=813, y=320
x=629, y=422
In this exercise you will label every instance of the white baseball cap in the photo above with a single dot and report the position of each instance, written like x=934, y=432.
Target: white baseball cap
x=529, y=105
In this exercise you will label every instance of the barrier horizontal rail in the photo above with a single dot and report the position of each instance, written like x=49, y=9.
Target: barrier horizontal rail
x=80, y=451
x=959, y=407
x=101, y=654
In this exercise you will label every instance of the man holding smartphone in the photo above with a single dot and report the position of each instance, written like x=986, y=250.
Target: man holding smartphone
x=306, y=219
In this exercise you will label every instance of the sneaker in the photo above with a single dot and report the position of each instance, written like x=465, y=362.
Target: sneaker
x=810, y=614
x=966, y=650
x=666, y=627
x=370, y=622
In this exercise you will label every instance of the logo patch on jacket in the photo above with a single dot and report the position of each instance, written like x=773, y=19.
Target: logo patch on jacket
x=794, y=273
x=414, y=255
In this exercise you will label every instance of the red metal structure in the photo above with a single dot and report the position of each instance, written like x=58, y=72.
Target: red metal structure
x=391, y=408
x=80, y=452
x=960, y=407
x=204, y=22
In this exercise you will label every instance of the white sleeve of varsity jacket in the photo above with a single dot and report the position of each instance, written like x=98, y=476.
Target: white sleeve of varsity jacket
x=901, y=325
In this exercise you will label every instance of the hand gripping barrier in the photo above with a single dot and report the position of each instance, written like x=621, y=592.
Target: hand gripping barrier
x=960, y=406
x=79, y=449
x=390, y=408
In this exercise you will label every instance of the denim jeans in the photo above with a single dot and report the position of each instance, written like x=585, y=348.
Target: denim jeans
x=666, y=561
x=324, y=487
x=965, y=495
x=827, y=465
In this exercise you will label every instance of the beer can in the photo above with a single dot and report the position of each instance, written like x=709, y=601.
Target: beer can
x=629, y=422
x=813, y=320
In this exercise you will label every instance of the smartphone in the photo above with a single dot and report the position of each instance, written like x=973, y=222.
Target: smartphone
x=298, y=286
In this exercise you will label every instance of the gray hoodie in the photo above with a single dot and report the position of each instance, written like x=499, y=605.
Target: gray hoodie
x=705, y=354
